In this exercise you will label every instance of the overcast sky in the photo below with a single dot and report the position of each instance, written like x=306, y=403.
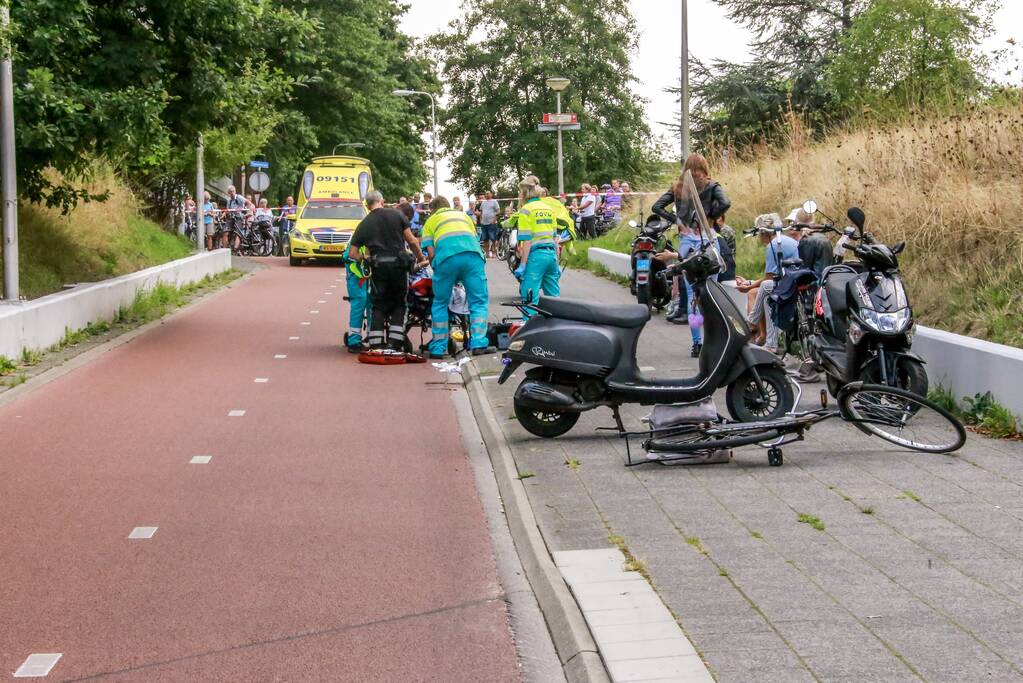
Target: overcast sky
x=656, y=64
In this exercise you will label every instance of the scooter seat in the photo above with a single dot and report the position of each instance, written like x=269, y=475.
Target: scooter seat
x=835, y=284
x=622, y=315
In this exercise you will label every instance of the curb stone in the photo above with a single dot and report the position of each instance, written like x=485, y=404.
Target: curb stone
x=580, y=658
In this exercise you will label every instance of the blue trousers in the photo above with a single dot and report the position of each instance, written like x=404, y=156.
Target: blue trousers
x=358, y=303
x=469, y=269
x=694, y=306
x=542, y=273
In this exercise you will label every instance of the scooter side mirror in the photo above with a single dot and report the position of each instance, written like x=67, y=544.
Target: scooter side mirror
x=898, y=248
x=857, y=217
x=810, y=206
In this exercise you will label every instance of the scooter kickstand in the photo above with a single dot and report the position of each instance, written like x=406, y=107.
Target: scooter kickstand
x=618, y=419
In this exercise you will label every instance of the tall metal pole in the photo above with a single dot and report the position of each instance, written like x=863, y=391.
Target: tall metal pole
x=200, y=198
x=684, y=91
x=433, y=117
x=561, y=160
x=9, y=180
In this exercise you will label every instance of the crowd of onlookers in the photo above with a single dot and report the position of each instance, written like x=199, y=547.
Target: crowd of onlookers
x=243, y=209
x=590, y=205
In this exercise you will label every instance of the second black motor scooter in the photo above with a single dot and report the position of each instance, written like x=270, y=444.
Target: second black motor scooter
x=649, y=289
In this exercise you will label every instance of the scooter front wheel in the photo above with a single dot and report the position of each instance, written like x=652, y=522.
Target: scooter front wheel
x=746, y=403
x=545, y=424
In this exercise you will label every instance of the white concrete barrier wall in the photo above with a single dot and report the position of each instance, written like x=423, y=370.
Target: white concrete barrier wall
x=42, y=322
x=965, y=365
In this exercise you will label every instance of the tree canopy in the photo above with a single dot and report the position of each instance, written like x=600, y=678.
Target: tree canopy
x=823, y=59
x=496, y=59
x=137, y=81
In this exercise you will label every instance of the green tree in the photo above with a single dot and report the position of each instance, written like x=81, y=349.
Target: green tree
x=348, y=66
x=909, y=53
x=496, y=58
x=136, y=81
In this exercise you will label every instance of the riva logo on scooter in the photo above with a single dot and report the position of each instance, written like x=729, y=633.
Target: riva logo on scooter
x=542, y=352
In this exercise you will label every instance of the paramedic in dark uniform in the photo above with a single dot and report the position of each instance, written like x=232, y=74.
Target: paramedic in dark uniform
x=381, y=239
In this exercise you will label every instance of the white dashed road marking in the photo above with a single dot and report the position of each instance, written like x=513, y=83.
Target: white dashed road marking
x=314, y=312
x=293, y=338
x=142, y=532
x=307, y=323
x=37, y=665
x=280, y=356
x=321, y=301
x=200, y=460
x=261, y=380
x=236, y=413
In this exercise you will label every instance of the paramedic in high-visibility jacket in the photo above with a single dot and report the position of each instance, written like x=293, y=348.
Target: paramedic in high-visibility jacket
x=537, y=224
x=451, y=243
x=358, y=303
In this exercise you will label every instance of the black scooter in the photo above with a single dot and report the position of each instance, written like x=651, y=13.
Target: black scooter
x=863, y=323
x=649, y=289
x=585, y=355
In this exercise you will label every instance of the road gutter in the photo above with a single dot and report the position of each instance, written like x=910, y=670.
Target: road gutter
x=576, y=649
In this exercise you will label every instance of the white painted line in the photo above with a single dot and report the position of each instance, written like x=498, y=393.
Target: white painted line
x=328, y=294
x=261, y=380
x=236, y=413
x=334, y=286
x=280, y=356
x=142, y=532
x=321, y=301
x=200, y=460
x=293, y=338
x=307, y=323
x=38, y=665
x=314, y=312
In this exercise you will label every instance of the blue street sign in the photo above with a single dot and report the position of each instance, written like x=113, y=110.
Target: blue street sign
x=259, y=164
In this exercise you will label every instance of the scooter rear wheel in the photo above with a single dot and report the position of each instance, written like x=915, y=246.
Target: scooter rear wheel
x=545, y=424
x=745, y=403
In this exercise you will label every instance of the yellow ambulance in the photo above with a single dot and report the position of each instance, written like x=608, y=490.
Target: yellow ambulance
x=331, y=202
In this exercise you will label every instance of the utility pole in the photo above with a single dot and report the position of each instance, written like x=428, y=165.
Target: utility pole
x=684, y=90
x=557, y=84
x=200, y=198
x=9, y=181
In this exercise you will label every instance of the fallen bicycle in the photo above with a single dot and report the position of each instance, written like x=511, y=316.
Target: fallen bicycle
x=691, y=436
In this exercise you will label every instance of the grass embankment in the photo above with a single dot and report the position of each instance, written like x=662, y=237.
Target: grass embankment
x=952, y=187
x=96, y=241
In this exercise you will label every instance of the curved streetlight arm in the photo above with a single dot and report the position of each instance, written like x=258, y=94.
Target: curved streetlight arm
x=433, y=118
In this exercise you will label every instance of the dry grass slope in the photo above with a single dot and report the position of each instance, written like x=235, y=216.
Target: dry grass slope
x=952, y=187
x=96, y=241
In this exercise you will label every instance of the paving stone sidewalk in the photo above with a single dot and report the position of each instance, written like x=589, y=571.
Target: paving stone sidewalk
x=915, y=574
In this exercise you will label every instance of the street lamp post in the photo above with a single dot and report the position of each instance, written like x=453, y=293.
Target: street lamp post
x=684, y=85
x=557, y=84
x=433, y=117
x=10, y=187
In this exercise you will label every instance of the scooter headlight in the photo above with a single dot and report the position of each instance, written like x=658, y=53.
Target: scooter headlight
x=886, y=323
x=855, y=332
x=516, y=345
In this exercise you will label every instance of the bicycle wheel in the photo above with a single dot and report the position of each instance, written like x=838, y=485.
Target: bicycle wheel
x=699, y=441
x=902, y=418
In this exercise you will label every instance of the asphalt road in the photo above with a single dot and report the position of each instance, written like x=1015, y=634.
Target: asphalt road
x=335, y=534
x=914, y=572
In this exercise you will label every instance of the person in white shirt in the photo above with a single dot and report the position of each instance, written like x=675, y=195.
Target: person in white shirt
x=587, y=211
